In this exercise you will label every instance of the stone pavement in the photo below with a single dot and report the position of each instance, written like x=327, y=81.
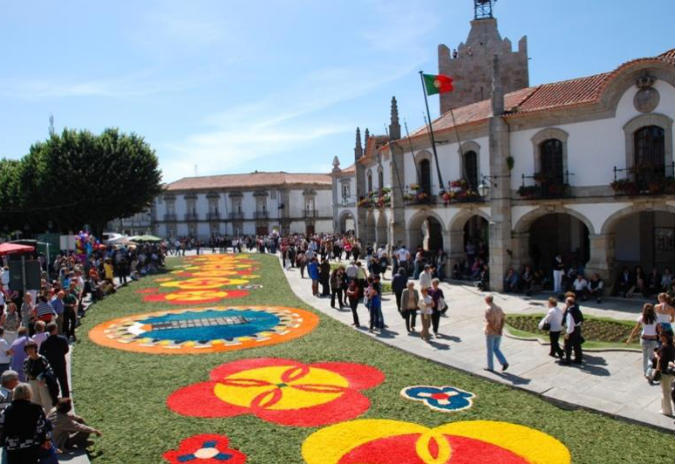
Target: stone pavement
x=610, y=382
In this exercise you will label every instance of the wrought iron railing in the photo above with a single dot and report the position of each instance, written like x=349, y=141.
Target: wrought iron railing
x=543, y=185
x=646, y=179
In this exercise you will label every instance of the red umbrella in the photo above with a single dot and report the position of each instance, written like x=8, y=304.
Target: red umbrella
x=14, y=248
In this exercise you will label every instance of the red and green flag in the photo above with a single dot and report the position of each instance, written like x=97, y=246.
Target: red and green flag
x=437, y=83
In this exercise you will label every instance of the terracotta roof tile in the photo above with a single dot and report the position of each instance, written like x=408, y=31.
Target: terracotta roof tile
x=254, y=179
x=668, y=57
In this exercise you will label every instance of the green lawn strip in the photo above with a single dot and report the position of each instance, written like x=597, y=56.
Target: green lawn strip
x=601, y=333
x=124, y=393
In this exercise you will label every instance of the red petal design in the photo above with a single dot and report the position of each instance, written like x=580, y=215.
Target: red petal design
x=198, y=400
x=360, y=376
x=233, y=367
x=294, y=373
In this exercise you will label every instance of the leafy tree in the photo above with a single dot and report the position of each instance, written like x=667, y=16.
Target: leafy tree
x=78, y=178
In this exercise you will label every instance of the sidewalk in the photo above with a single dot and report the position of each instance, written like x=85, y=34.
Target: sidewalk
x=610, y=382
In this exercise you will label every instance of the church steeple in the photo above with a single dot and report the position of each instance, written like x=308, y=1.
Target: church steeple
x=358, y=148
x=394, y=126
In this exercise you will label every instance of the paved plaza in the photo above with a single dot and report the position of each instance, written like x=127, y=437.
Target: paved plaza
x=610, y=382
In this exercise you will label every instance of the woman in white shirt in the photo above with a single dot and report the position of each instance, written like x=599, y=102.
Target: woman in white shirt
x=664, y=311
x=649, y=340
x=554, y=318
x=425, y=304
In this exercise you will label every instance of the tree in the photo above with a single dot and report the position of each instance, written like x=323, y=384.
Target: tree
x=78, y=178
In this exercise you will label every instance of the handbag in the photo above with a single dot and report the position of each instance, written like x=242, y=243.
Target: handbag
x=442, y=305
x=546, y=327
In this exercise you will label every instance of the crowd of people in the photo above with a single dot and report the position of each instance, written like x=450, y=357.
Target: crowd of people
x=36, y=328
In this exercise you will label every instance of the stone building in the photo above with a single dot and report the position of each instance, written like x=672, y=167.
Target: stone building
x=244, y=204
x=582, y=167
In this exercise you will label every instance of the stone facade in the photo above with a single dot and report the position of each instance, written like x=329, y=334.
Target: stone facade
x=470, y=69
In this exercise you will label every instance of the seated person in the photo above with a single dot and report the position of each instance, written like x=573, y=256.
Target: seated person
x=624, y=283
x=666, y=279
x=511, y=280
x=69, y=431
x=580, y=286
x=595, y=287
x=484, y=282
x=527, y=280
x=653, y=282
x=640, y=282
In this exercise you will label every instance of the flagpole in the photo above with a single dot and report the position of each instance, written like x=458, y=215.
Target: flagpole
x=431, y=132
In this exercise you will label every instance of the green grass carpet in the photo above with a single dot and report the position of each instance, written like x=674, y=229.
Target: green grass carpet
x=124, y=394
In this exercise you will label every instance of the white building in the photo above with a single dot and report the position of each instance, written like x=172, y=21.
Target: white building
x=582, y=167
x=244, y=204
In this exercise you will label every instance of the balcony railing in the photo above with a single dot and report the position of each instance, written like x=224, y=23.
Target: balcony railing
x=213, y=215
x=311, y=213
x=191, y=217
x=170, y=217
x=646, y=179
x=261, y=214
x=545, y=186
x=419, y=198
x=237, y=215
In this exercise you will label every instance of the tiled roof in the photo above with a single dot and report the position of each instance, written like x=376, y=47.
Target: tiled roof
x=556, y=95
x=349, y=169
x=254, y=179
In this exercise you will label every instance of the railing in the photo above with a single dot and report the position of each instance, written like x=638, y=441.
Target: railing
x=261, y=214
x=191, y=217
x=419, y=198
x=311, y=213
x=237, y=215
x=545, y=186
x=213, y=215
x=644, y=180
x=170, y=217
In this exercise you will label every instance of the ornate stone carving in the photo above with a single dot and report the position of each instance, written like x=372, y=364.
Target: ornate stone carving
x=647, y=98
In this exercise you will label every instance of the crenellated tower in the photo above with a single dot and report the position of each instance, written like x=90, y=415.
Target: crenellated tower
x=470, y=65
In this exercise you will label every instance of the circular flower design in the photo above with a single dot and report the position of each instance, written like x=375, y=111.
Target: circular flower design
x=197, y=283
x=379, y=441
x=444, y=399
x=205, y=449
x=194, y=296
x=283, y=391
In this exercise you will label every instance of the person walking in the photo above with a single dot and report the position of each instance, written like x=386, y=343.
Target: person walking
x=438, y=304
x=375, y=307
x=494, y=326
x=39, y=375
x=398, y=286
x=558, y=272
x=573, y=320
x=353, y=297
x=313, y=272
x=664, y=356
x=425, y=306
x=11, y=323
x=648, y=339
x=336, y=286
x=410, y=303
x=17, y=352
x=55, y=348
x=553, y=320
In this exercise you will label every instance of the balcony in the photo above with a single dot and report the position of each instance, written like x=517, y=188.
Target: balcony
x=311, y=213
x=237, y=215
x=170, y=217
x=213, y=216
x=545, y=186
x=191, y=217
x=646, y=179
x=419, y=198
x=260, y=214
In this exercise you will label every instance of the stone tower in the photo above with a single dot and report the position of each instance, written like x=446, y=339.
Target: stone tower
x=470, y=65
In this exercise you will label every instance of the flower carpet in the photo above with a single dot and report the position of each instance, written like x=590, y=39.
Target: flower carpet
x=272, y=385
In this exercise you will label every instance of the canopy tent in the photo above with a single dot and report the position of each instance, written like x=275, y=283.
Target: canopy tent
x=14, y=248
x=145, y=238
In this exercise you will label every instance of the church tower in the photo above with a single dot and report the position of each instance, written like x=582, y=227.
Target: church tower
x=470, y=65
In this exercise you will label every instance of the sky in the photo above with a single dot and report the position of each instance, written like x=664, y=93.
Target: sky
x=235, y=86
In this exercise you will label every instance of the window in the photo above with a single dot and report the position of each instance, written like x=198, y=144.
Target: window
x=380, y=179
x=345, y=192
x=370, y=181
x=425, y=176
x=471, y=169
x=649, y=162
x=551, y=161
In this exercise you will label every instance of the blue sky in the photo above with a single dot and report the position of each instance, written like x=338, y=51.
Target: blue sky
x=234, y=86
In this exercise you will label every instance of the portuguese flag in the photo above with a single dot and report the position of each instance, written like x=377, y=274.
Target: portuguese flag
x=437, y=83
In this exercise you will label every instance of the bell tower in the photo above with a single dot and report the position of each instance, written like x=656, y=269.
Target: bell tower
x=470, y=64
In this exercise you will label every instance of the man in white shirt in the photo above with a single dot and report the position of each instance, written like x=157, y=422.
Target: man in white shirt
x=580, y=287
x=425, y=277
x=4, y=278
x=554, y=319
x=4, y=352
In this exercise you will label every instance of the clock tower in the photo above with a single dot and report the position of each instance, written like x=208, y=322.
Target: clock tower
x=470, y=64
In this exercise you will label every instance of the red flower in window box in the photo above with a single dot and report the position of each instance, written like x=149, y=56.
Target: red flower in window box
x=205, y=449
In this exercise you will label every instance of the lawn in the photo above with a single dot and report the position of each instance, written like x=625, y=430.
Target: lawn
x=599, y=332
x=124, y=394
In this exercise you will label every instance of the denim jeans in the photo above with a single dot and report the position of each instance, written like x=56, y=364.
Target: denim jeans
x=648, y=347
x=493, y=342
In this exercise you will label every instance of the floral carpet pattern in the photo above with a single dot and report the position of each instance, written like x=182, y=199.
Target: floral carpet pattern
x=205, y=449
x=282, y=391
x=443, y=399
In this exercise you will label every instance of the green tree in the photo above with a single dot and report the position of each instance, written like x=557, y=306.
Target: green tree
x=78, y=178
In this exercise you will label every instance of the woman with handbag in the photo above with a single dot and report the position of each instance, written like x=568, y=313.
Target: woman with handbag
x=552, y=323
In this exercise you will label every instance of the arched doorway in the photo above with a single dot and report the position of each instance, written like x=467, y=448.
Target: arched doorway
x=426, y=231
x=476, y=238
x=368, y=237
x=347, y=222
x=558, y=233
x=645, y=238
x=381, y=230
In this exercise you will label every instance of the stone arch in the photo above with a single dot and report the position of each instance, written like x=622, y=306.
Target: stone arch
x=612, y=220
x=546, y=134
x=458, y=235
x=422, y=155
x=343, y=221
x=650, y=119
x=526, y=220
x=416, y=236
x=625, y=76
